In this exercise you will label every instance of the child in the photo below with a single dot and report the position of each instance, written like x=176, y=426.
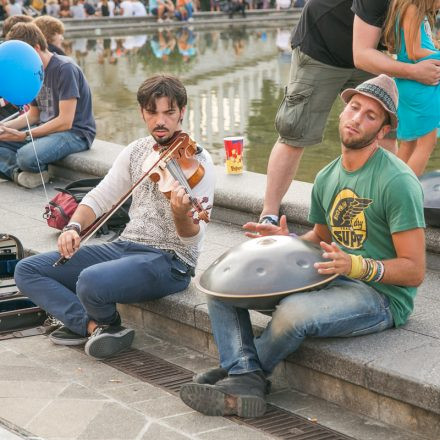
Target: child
x=408, y=34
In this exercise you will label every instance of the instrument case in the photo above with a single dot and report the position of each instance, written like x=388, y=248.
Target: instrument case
x=16, y=311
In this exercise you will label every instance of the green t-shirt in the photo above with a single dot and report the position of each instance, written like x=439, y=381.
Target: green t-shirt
x=364, y=207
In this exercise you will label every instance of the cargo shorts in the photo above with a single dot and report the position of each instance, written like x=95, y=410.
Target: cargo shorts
x=309, y=96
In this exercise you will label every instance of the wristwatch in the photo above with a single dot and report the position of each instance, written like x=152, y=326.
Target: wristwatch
x=27, y=137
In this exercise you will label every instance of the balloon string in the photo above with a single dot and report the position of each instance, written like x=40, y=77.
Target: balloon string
x=36, y=156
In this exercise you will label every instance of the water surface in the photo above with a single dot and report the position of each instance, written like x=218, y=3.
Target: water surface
x=234, y=79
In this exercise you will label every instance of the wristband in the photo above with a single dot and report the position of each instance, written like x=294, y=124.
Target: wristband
x=357, y=266
x=75, y=226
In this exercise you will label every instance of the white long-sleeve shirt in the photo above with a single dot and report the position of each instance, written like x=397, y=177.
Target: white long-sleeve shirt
x=151, y=221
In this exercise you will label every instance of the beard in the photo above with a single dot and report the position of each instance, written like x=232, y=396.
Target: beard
x=357, y=143
x=162, y=139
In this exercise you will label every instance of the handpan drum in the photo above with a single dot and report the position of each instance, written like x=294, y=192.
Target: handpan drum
x=258, y=273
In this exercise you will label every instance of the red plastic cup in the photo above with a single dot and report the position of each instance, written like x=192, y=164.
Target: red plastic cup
x=234, y=154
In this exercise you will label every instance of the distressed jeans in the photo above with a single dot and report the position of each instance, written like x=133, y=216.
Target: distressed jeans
x=345, y=307
x=97, y=277
x=16, y=156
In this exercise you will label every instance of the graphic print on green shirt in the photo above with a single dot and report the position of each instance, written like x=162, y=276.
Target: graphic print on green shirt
x=363, y=208
x=347, y=219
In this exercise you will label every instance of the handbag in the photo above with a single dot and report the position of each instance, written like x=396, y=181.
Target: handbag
x=60, y=208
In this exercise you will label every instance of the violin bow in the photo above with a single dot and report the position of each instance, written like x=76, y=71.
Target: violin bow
x=91, y=230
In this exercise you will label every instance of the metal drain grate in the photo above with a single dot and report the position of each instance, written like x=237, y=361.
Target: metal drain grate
x=277, y=422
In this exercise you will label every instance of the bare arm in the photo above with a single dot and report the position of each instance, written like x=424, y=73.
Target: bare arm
x=33, y=114
x=366, y=57
x=318, y=234
x=62, y=122
x=407, y=269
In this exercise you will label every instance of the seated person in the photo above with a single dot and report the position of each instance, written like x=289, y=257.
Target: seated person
x=236, y=6
x=53, y=31
x=14, y=19
x=156, y=254
x=367, y=210
x=184, y=10
x=61, y=117
x=162, y=9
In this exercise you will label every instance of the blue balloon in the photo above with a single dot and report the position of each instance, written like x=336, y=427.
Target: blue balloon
x=21, y=72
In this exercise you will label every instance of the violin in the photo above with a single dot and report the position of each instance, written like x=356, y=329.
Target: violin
x=164, y=162
x=181, y=166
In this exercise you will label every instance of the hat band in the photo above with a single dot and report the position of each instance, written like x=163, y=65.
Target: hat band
x=379, y=93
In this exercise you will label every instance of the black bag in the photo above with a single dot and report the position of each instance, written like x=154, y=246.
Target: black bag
x=79, y=188
x=17, y=312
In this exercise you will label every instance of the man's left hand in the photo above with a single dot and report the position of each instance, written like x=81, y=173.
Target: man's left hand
x=180, y=202
x=11, y=134
x=340, y=261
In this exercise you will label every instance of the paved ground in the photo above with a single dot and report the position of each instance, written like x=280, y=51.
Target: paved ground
x=59, y=393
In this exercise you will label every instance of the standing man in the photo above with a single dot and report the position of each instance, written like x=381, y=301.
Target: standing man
x=330, y=39
x=156, y=254
x=367, y=210
x=61, y=117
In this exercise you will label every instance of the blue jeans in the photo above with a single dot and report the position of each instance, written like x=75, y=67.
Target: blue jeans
x=345, y=307
x=96, y=278
x=16, y=156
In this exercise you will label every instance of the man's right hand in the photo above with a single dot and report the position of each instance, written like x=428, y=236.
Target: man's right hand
x=427, y=72
x=68, y=243
x=259, y=229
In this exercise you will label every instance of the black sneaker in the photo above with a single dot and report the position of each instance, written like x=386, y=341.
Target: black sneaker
x=108, y=340
x=243, y=395
x=64, y=336
x=267, y=219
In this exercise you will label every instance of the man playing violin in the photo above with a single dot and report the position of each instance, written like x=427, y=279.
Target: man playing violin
x=156, y=253
x=367, y=211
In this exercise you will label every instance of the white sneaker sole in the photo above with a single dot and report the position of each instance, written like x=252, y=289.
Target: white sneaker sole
x=105, y=345
x=68, y=342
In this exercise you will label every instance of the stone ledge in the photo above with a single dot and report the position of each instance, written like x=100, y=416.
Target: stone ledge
x=241, y=194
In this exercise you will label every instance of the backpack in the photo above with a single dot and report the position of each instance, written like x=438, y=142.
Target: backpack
x=61, y=208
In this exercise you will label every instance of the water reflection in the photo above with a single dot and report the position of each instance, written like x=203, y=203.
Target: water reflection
x=234, y=78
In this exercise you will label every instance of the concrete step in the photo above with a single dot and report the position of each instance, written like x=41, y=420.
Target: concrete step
x=392, y=377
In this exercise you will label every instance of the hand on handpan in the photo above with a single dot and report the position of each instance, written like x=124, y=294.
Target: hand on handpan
x=340, y=261
x=180, y=202
x=68, y=243
x=260, y=229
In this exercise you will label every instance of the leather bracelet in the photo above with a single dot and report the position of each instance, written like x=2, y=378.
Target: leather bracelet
x=73, y=227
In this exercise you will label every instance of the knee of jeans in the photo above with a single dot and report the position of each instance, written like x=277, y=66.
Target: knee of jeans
x=27, y=161
x=90, y=287
x=22, y=273
x=292, y=317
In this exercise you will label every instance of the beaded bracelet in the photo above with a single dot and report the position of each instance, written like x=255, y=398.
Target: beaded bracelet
x=366, y=269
